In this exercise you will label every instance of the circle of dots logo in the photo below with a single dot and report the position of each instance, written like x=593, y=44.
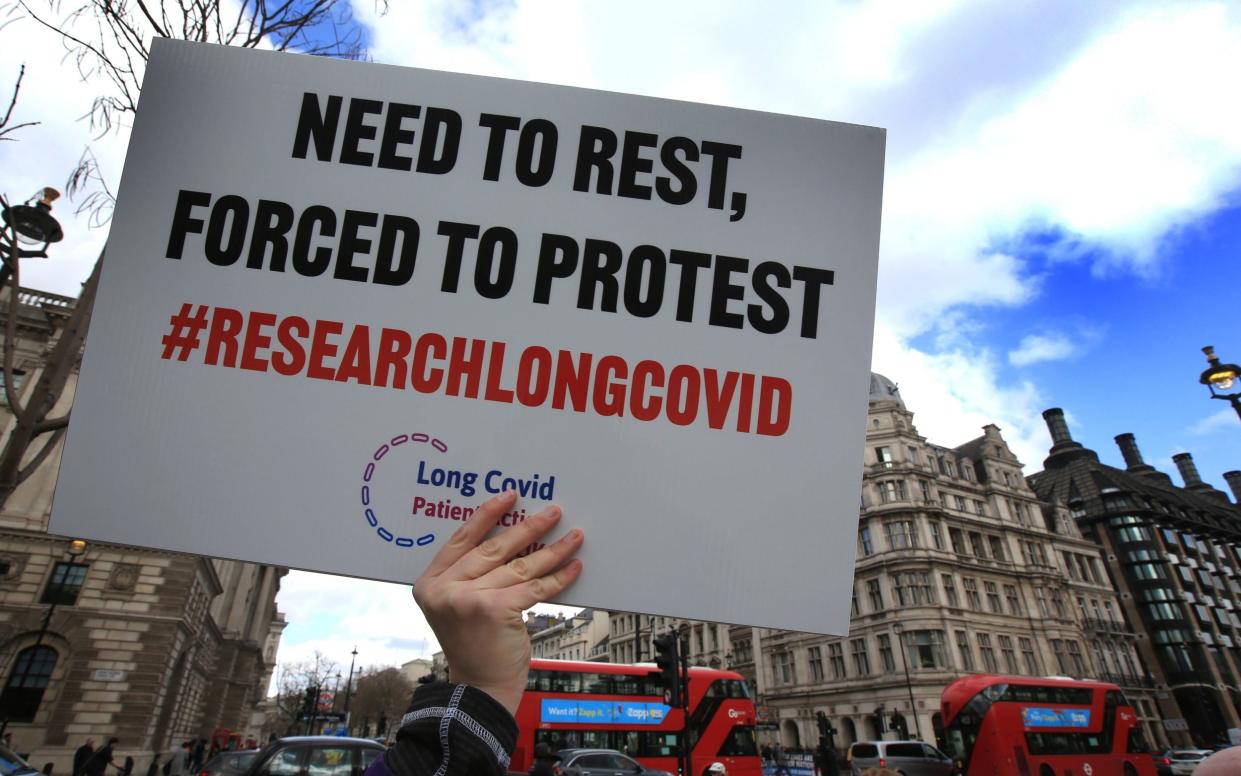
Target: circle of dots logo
x=371, y=518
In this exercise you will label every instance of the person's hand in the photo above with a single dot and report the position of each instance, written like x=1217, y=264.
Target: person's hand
x=474, y=592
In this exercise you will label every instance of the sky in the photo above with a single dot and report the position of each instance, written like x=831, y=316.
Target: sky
x=1062, y=200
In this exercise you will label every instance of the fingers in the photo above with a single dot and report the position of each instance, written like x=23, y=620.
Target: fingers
x=538, y=564
x=498, y=549
x=542, y=589
x=470, y=533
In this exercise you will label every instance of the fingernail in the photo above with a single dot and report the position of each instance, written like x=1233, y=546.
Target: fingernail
x=571, y=536
x=551, y=513
x=507, y=495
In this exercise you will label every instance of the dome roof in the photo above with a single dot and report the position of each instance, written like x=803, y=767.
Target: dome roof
x=883, y=389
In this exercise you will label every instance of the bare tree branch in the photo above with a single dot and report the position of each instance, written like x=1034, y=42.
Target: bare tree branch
x=5, y=129
x=48, y=445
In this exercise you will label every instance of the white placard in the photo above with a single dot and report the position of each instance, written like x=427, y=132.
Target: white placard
x=108, y=675
x=342, y=303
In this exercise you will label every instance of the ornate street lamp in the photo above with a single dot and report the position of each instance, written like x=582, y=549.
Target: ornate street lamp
x=1220, y=379
x=76, y=549
x=32, y=225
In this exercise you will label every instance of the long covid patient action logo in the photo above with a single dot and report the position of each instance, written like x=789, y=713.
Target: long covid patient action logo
x=409, y=480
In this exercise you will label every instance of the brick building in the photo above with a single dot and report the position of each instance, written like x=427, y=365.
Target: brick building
x=1174, y=553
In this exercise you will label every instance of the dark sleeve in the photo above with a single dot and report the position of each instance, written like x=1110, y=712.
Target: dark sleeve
x=450, y=730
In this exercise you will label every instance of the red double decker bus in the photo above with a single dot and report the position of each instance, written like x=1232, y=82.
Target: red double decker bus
x=569, y=704
x=1038, y=726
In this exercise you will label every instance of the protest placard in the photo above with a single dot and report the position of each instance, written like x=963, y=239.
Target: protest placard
x=343, y=303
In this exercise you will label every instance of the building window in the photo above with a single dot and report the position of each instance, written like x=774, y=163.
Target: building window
x=950, y=591
x=980, y=507
x=24, y=692
x=901, y=534
x=1040, y=596
x=19, y=379
x=913, y=588
x=997, y=548
x=967, y=652
x=868, y=547
x=1062, y=657
x=971, y=594
x=1014, y=601
x=913, y=454
x=856, y=610
x=993, y=597
x=885, y=653
x=1071, y=567
x=861, y=661
x=925, y=487
x=1006, y=652
x=1075, y=656
x=64, y=584
x=782, y=668
x=892, y=490
x=875, y=593
x=958, y=540
x=960, y=502
x=976, y=545
x=1027, y=654
x=937, y=536
x=925, y=649
x=816, y=664
x=1057, y=603
x=884, y=456
x=836, y=655
x=987, y=654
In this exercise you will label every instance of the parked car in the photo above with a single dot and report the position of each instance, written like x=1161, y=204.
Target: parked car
x=12, y=764
x=315, y=756
x=229, y=763
x=1182, y=762
x=602, y=762
x=912, y=758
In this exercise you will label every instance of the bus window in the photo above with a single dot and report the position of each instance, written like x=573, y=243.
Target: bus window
x=1137, y=742
x=739, y=743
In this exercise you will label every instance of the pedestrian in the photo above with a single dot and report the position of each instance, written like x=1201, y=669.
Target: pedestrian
x=717, y=769
x=200, y=749
x=128, y=768
x=153, y=770
x=98, y=763
x=181, y=759
x=766, y=752
x=83, y=754
x=544, y=761
x=782, y=760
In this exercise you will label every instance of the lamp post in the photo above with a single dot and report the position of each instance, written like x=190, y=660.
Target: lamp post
x=32, y=224
x=76, y=549
x=913, y=709
x=1221, y=378
x=349, y=686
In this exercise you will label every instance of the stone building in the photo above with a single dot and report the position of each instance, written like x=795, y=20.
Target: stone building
x=99, y=640
x=582, y=636
x=1174, y=553
x=631, y=638
x=960, y=569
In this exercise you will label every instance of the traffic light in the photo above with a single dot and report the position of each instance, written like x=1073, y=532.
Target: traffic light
x=309, y=696
x=880, y=727
x=668, y=660
x=899, y=724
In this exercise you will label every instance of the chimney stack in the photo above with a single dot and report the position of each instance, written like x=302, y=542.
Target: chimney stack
x=1133, y=456
x=1189, y=472
x=1057, y=426
x=1063, y=449
x=1233, y=478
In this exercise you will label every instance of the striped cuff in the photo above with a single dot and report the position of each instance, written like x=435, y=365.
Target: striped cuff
x=453, y=729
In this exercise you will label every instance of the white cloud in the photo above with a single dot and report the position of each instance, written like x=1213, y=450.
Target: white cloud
x=1225, y=418
x=1054, y=346
x=955, y=392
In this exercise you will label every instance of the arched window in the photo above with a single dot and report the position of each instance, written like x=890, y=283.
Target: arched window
x=24, y=691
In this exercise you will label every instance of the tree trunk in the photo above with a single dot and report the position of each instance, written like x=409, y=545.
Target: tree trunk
x=59, y=365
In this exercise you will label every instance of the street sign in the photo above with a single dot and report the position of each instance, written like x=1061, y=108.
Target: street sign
x=345, y=303
x=1173, y=725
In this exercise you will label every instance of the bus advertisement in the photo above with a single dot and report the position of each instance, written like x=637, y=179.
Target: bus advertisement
x=1039, y=726
x=570, y=705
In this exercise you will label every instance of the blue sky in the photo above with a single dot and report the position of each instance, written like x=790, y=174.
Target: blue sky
x=1062, y=214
